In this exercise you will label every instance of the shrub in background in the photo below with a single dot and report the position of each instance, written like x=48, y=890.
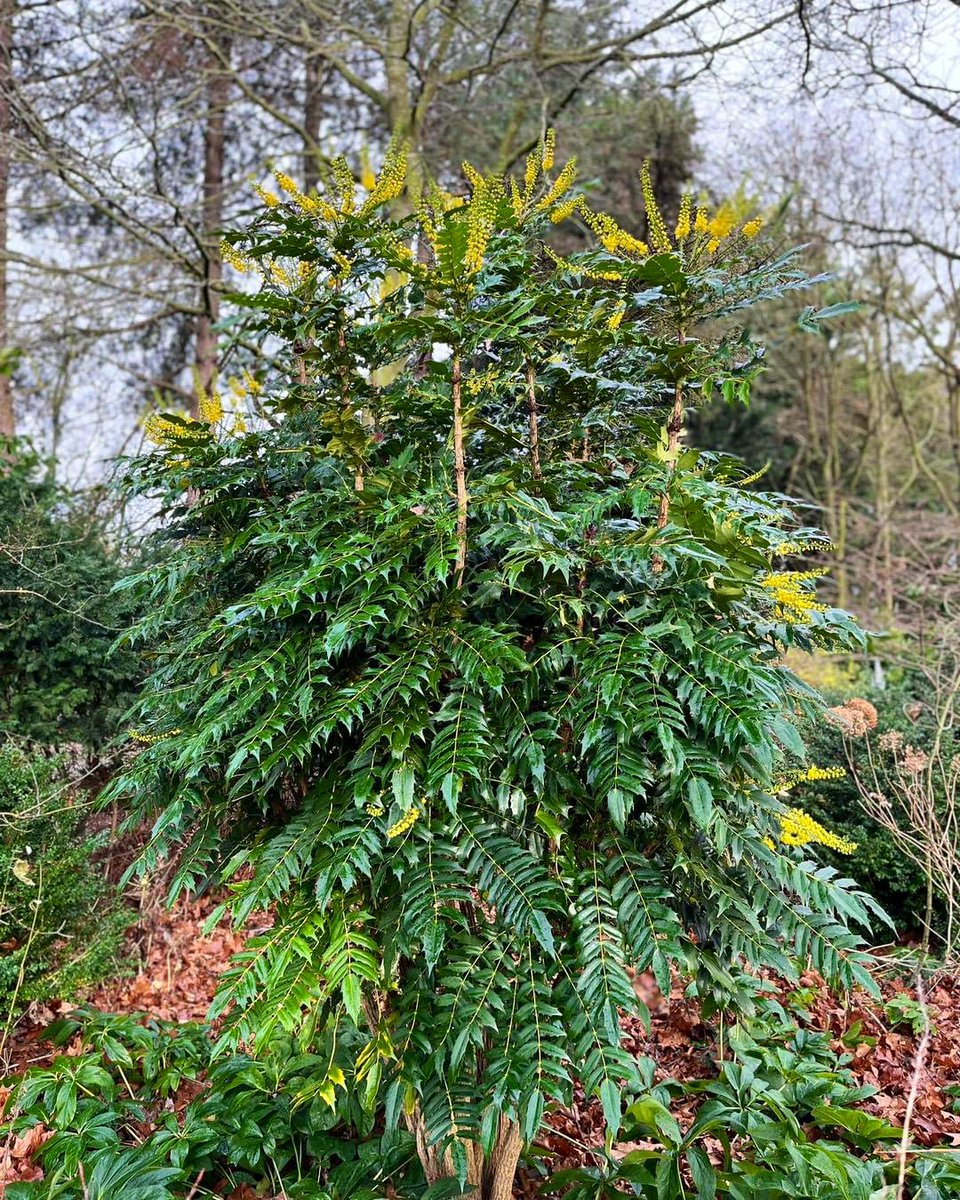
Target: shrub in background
x=59, y=682
x=904, y=705
x=60, y=923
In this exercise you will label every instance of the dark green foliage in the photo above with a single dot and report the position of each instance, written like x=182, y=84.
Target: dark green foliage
x=58, y=680
x=60, y=926
x=482, y=738
x=253, y=1122
x=783, y=1108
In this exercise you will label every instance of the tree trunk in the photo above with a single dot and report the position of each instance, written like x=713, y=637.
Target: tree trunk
x=491, y=1177
x=312, y=113
x=214, y=143
x=7, y=8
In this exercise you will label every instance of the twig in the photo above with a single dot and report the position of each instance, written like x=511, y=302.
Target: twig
x=83, y=1181
x=196, y=1184
x=919, y=1060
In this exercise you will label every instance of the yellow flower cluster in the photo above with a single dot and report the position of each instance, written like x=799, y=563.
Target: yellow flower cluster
x=345, y=184
x=811, y=774
x=374, y=810
x=280, y=275
x=391, y=181
x=209, y=406
x=478, y=381
x=407, y=821
x=481, y=217
x=579, y=269
x=236, y=258
x=609, y=234
x=752, y=228
x=798, y=828
x=794, y=601
x=560, y=186
x=548, y=149
x=815, y=544
x=723, y=223
x=310, y=204
x=270, y=199
x=248, y=385
x=684, y=221
x=368, y=177
x=149, y=739
x=655, y=223
x=164, y=432
x=614, y=322
x=345, y=264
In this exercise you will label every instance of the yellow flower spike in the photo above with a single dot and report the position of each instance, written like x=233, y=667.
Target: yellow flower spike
x=270, y=199
x=166, y=433
x=560, y=186
x=392, y=179
x=239, y=425
x=631, y=245
x=614, y=322
x=280, y=275
x=752, y=228
x=480, y=221
x=287, y=185
x=236, y=258
x=549, y=149
x=713, y=245
x=565, y=210
x=798, y=828
x=406, y=822
x=472, y=175
x=658, y=230
x=579, y=269
x=759, y=474
x=313, y=205
x=722, y=224
x=815, y=773
x=684, y=225
x=516, y=199
x=531, y=172
x=345, y=183
x=210, y=407
x=701, y=224
x=253, y=385
x=794, y=603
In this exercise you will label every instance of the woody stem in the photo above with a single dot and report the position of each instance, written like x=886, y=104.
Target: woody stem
x=533, y=421
x=459, y=470
x=674, y=429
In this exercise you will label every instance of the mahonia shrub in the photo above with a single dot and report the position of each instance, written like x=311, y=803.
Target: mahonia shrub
x=467, y=668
